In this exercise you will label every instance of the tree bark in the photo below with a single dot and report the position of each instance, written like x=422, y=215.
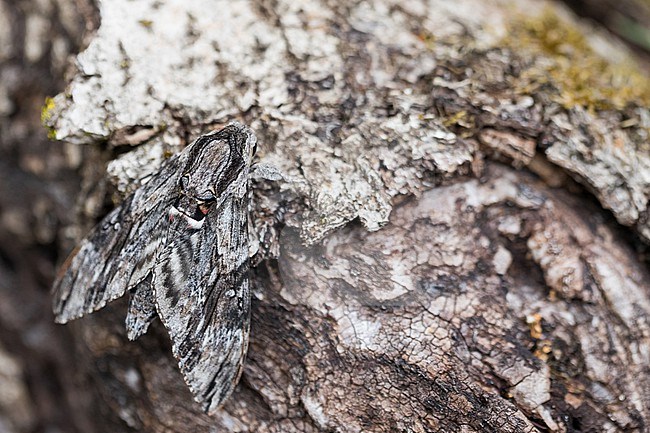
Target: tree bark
x=495, y=158
x=39, y=387
x=629, y=19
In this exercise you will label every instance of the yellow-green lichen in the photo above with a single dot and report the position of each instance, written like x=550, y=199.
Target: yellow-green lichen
x=462, y=123
x=46, y=117
x=46, y=111
x=146, y=23
x=564, y=61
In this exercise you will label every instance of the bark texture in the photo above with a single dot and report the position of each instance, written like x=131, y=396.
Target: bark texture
x=39, y=390
x=496, y=156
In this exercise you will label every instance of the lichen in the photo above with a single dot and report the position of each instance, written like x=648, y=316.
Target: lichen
x=146, y=23
x=46, y=117
x=46, y=111
x=462, y=123
x=565, y=61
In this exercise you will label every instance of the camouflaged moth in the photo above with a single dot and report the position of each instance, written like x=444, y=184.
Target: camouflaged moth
x=179, y=246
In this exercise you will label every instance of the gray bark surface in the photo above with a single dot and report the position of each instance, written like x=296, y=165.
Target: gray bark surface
x=458, y=241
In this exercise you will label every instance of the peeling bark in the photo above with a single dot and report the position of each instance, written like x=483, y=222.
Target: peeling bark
x=496, y=159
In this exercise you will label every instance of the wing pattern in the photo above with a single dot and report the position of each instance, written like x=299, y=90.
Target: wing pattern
x=100, y=269
x=210, y=326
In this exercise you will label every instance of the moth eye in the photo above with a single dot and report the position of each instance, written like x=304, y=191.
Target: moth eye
x=204, y=208
x=203, y=205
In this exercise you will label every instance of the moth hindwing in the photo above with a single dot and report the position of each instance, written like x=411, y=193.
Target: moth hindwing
x=179, y=245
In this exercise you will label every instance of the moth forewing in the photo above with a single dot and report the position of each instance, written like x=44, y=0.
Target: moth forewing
x=179, y=244
x=98, y=271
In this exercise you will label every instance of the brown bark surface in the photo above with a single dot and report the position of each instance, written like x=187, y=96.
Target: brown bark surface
x=459, y=243
x=39, y=388
x=629, y=19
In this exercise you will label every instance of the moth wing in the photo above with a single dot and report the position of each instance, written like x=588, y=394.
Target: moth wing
x=119, y=251
x=203, y=299
x=142, y=309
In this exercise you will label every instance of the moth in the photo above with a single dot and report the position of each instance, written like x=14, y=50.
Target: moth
x=179, y=246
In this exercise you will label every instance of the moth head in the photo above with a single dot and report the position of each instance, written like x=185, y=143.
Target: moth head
x=193, y=202
x=217, y=168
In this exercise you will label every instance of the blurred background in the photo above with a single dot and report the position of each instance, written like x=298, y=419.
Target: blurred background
x=39, y=183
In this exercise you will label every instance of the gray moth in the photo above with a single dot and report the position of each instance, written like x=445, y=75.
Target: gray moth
x=179, y=246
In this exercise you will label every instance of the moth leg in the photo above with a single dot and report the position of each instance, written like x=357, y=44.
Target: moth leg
x=142, y=310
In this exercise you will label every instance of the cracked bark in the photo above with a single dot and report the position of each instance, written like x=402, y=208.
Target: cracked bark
x=459, y=242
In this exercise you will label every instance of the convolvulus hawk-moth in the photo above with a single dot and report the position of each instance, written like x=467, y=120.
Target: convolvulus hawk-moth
x=179, y=246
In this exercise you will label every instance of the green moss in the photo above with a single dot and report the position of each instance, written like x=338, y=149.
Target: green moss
x=564, y=60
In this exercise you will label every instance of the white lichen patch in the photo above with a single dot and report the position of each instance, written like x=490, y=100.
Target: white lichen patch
x=502, y=260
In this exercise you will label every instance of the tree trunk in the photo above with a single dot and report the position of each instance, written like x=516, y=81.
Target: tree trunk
x=495, y=157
